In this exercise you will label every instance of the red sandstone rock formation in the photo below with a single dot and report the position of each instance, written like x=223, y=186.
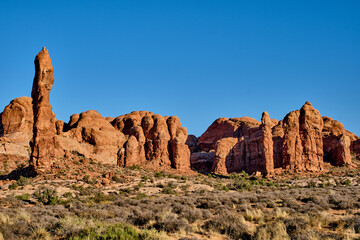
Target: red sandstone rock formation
x=336, y=143
x=302, y=143
x=44, y=148
x=355, y=148
x=152, y=139
x=17, y=127
x=18, y=120
x=299, y=142
x=92, y=136
x=248, y=145
x=221, y=128
x=296, y=143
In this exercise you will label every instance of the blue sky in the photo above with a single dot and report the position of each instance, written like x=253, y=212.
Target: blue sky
x=198, y=60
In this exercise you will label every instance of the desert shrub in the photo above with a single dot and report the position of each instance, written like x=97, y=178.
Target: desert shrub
x=117, y=231
x=140, y=216
x=230, y=224
x=159, y=174
x=341, y=201
x=47, y=196
x=253, y=215
x=297, y=224
x=207, y=203
x=67, y=195
x=170, y=222
x=189, y=213
x=353, y=222
x=291, y=202
x=13, y=186
x=273, y=231
x=23, y=197
x=240, y=184
x=101, y=197
x=40, y=233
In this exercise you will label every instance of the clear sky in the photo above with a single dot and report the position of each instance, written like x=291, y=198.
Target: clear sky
x=196, y=59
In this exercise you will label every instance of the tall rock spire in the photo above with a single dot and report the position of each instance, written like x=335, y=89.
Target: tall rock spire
x=43, y=146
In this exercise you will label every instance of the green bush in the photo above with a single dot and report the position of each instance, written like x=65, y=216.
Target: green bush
x=23, y=197
x=114, y=232
x=47, y=196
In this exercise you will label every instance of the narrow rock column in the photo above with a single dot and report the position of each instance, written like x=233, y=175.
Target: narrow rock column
x=268, y=164
x=43, y=146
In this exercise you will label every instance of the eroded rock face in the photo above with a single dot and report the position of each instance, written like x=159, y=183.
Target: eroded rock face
x=296, y=143
x=45, y=148
x=336, y=143
x=221, y=128
x=311, y=126
x=17, y=130
x=302, y=143
x=355, y=148
x=249, y=147
x=18, y=120
x=94, y=136
x=153, y=139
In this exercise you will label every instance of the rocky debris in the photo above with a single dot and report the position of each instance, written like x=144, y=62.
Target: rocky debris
x=44, y=148
x=336, y=143
x=152, y=139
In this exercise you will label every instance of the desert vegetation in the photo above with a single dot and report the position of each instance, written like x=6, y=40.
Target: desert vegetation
x=139, y=204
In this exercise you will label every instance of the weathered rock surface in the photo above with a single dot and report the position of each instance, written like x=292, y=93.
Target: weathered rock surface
x=152, y=139
x=202, y=160
x=221, y=128
x=191, y=142
x=91, y=135
x=355, y=148
x=302, y=144
x=296, y=143
x=17, y=131
x=336, y=143
x=18, y=120
x=44, y=148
